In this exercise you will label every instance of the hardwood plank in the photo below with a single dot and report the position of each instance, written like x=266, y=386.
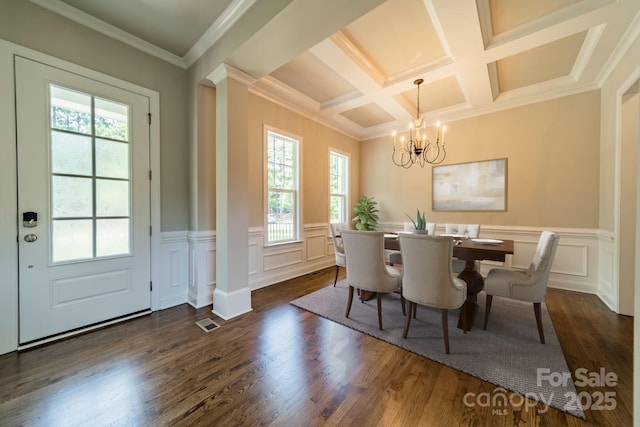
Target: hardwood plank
x=279, y=365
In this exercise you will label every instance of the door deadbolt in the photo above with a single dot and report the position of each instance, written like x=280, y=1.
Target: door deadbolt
x=30, y=219
x=30, y=238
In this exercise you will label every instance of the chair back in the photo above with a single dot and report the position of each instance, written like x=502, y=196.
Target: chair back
x=471, y=231
x=336, y=229
x=366, y=267
x=427, y=277
x=540, y=266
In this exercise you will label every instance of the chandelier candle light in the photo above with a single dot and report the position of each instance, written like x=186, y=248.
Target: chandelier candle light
x=419, y=149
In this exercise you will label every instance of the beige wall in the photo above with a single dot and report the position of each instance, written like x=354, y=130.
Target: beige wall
x=316, y=141
x=553, y=161
x=204, y=201
x=29, y=25
x=315, y=159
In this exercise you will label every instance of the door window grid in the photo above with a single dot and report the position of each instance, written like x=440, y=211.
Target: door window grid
x=338, y=187
x=282, y=188
x=90, y=176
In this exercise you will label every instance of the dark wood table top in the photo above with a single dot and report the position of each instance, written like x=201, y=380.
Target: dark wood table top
x=467, y=249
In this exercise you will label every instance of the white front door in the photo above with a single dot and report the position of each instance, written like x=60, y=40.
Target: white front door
x=83, y=201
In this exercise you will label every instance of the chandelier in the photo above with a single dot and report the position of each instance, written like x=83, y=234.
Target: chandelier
x=419, y=149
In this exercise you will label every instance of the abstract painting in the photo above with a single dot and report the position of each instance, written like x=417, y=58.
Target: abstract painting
x=473, y=186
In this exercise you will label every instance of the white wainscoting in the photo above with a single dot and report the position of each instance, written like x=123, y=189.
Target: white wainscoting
x=174, y=269
x=202, y=268
x=575, y=266
x=607, y=271
x=189, y=268
x=583, y=260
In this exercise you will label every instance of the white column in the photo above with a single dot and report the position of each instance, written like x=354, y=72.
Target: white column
x=232, y=294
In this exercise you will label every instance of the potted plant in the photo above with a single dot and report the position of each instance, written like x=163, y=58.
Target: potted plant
x=420, y=223
x=366, y=214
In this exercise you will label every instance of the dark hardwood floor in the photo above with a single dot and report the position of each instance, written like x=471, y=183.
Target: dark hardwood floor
x=280, y=365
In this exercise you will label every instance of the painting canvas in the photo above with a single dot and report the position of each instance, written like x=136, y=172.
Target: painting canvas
x=475, y=186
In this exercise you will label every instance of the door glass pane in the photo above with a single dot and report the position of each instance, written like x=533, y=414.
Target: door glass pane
x=70, y=110
x=112, y=159
x=71, y=197
x=112, y=237
x=72, y=239
x=90, y=176
x=70, y=153
x=112, y=119
x=112, y=198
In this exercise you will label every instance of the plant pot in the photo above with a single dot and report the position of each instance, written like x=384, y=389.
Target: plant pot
x=425, y=232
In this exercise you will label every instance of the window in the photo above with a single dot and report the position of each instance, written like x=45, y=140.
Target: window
x=338, y=187
x=282, y=193
x=90, y=176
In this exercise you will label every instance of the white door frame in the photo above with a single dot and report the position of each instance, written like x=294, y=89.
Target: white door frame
x=8, y=177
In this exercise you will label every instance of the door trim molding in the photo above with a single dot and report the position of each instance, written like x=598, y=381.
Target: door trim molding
x=8, y=225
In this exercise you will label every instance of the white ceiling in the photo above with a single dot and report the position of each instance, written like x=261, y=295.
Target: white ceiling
x=475, y=56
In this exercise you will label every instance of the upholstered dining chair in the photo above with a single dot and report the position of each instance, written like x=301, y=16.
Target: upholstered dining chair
x=338, y=247
x=428, y=279
x=468, y=231
x=366, y=268
x=530, y=285
x=408, y=227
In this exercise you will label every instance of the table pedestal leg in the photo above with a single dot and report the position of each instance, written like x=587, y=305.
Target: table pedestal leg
x=475, y=283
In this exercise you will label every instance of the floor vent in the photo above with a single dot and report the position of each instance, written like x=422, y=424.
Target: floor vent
x=207, y=325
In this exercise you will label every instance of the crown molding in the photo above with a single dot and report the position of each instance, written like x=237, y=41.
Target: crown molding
x=82, y=18
x=225, y=21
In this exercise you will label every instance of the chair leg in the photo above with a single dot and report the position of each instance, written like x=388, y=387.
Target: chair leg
x=487, y=309
x=536, y=310
x=463, y=317
x=336, y=279
x=445, y=328
x=407, y=322
x=379, y=299
x=402, y=303
x=350, y=300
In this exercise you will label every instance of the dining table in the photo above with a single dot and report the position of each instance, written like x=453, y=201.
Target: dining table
x=470, y=251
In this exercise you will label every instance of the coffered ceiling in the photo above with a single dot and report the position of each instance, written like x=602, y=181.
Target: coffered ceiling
x=475, y=56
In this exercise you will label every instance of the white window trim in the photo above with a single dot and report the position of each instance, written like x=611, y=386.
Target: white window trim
x=265, y=191
x=347, y=184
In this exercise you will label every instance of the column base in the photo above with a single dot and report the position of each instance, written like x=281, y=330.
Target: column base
x=228, y=305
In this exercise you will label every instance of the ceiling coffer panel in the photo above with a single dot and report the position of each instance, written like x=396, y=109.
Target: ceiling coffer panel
x=433, y=96
x=368, y=115
x=313, y=78
x=537, y=65
x=396, y=36
x=509, y=14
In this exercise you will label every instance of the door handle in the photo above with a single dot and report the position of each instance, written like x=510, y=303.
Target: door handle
x=30, y=238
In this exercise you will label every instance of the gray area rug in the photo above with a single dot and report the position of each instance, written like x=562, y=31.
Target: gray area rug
x=508, y=354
